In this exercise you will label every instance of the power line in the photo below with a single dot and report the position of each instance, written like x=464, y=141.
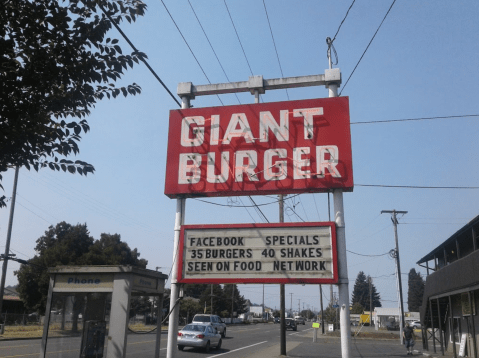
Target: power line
x=294, y=212
x=207, y=38
x=355, y=253
x=341, y=24
x=186, y=42
x=367, y=47
x=274, y=43
x=34, y=213
x=316, y=205
x=140, y=57
x=258, y=209
x=184, y=39
x=244, y=53
x=417, y=119
x=416, y=186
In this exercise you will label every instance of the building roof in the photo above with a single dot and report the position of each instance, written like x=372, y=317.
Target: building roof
x=380, y=311
x=439, y=251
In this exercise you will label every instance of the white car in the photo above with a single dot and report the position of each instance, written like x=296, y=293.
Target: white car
x=415, y=324
x=199, y=336
x=214, y=320
x=299, y=320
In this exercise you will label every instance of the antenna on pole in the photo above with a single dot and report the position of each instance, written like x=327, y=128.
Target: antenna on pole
x=329, y=42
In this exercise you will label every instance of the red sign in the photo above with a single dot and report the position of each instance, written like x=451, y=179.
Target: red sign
x=258, y=253
x=255, y=149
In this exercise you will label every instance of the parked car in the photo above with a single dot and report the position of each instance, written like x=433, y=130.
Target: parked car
x=415, y=324
x=214, y=320
x=392, y=326
x=277, y=320
x=299, y=320
x=199, y=335
x=289, y=323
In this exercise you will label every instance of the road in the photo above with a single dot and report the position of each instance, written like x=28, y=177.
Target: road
x=254, y=341
x=143, y=345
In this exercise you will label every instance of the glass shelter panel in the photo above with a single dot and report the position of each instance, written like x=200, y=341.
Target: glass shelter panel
x=78, y=325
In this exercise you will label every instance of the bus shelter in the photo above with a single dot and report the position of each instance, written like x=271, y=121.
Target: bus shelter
x=88, y=309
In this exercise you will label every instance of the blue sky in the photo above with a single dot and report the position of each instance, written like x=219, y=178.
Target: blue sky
x=422, y=63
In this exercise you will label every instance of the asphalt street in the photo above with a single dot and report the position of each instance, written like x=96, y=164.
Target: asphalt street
x=253, y=341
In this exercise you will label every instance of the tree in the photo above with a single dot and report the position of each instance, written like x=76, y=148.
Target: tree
x=308, y=314
x=239, y=302
x=415, y=290
x=356, y=308
x=221, y=299
x=331, y=315
x=218, y=300
x=188, y=308
x=66, y=244
x=195, y=289
x=55, y=64
x=361, y=292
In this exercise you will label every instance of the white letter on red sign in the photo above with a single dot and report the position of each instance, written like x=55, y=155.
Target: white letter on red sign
x=238, y=127
x=211, y=177
x=299, y=163
x=281, y=164
x=308, y=114
x=267, y=121
x=198, y=132
x=241, y=167
x=322, y=163
x=189, y=169
x=215, y=130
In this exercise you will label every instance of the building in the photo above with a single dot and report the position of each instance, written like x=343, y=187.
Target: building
x=448, y=312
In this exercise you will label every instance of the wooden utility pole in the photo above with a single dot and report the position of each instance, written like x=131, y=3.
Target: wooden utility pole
x=370, y=302
x=398, y=266
x=322, y=313
x=7, y=244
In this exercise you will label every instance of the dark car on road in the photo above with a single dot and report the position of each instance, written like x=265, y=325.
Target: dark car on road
x=277, y=320
x=289, y=323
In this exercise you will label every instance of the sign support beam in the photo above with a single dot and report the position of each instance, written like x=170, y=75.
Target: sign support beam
x=256, y=85
x=175, y=287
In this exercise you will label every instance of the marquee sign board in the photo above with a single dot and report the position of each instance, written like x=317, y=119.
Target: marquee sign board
x=256, y=149
x=258, y=253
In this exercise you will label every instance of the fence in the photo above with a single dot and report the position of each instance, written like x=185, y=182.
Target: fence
x=16, y=319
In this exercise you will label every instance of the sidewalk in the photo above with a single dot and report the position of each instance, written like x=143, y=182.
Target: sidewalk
x=329, y=346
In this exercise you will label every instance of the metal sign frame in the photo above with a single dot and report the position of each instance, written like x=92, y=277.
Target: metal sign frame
x=256, y=149
x=266, y=280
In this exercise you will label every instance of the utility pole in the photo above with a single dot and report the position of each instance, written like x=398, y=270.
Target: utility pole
x=211, y=298
x=291, y=305
x=7, y=244
x=232, y=301
x=282, y=322
x=398, y=266
x=370, y=302
x=262, y=306
x=322, y=313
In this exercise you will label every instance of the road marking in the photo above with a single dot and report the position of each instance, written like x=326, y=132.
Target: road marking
x=24, y=345
x=235, y=350
x=36, y=354
x=244, y=330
